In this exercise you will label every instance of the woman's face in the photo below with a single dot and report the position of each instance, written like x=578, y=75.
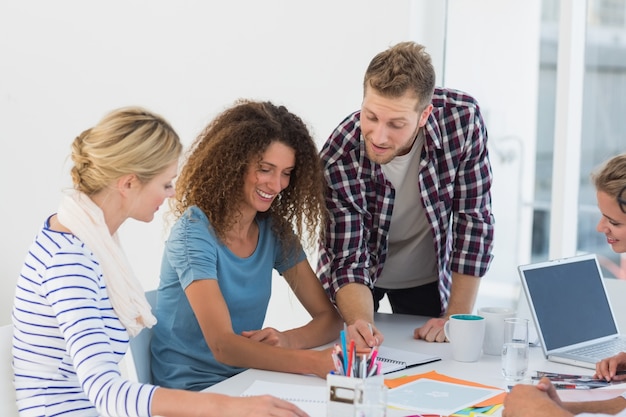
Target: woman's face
x=613, y=222
x=152, y=194
x=265, y=180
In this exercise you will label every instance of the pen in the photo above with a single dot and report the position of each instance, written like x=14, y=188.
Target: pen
x=350, y=359
x=344, y=348
x=372, y=332
x=372, y=360
x=337, y=363
x=363, y=370
x=373, y=370
x=571, y=386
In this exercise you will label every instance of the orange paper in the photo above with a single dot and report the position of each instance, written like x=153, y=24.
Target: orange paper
x=495, y=400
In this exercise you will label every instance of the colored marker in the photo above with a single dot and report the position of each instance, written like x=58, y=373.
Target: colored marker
x=372, y=360
x=337, y=363
x=571, y=386
x=344, y=348
x=350, y=359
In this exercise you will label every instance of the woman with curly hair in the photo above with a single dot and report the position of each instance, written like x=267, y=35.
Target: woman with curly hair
x=252, y=177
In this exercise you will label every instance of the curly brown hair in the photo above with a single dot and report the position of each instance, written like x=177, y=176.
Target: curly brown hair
x=213, y=175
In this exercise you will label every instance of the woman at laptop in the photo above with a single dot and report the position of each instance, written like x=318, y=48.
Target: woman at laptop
x=541, y=399
x=610, y=183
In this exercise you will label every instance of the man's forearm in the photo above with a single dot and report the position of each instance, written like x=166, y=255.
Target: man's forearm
x=462, y=294
x=354, y=302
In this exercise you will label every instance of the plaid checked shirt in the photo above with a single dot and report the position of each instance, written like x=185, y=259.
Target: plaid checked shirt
x=454, y=182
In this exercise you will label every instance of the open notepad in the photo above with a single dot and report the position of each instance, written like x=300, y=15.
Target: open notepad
x=393, y=359
x=311, y=399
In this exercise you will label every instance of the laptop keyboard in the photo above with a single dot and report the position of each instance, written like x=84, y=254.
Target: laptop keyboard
x=601, y=350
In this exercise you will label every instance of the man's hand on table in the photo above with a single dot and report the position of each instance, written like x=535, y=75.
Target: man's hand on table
x=431, y=331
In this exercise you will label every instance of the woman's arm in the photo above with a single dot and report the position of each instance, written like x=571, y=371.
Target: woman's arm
x=169, y=402
x=610, y=406
x=237, y=350
x=91, y=331
x=325, y=321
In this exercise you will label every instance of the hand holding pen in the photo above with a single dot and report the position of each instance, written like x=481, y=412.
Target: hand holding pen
x=364, y=334
x=351, y=363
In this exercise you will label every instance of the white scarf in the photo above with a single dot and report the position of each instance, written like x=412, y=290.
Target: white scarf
x=85, y=219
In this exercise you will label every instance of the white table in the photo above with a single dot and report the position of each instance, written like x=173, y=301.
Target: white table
x=398, y=331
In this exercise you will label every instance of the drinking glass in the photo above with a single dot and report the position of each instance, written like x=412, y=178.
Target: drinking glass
x=515, y=349
x=370, y=398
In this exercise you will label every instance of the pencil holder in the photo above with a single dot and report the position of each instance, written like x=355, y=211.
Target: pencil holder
x=342, y=394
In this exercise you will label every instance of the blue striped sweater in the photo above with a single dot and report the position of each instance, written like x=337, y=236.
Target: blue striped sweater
x=67, y=340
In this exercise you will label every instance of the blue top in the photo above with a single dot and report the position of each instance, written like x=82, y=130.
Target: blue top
x=181, y=357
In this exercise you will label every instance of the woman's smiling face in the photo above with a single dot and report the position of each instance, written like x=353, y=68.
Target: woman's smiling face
x=267, y=178
x=613, y=222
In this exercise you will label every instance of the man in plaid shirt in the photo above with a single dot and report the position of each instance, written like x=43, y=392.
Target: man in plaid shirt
x=409, y=183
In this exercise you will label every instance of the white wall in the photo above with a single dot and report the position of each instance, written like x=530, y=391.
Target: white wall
x=63, y=64
x=492, y=51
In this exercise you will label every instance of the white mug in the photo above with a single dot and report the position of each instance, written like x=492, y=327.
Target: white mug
x=494, y=329
x=466, y=333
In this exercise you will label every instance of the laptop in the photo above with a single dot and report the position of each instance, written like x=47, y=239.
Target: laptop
x=571, y=310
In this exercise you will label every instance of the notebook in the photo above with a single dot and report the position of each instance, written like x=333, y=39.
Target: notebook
x=393, y=359
x=571, y=310
x=309, y=398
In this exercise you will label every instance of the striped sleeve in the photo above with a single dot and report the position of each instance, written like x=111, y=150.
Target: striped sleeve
x=68, y=340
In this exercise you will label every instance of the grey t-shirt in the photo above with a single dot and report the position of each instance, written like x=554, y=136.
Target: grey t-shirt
x=411, y=259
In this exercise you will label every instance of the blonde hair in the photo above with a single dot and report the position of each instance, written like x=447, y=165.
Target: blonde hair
x=129, y=140
x=610, y=178
x=404, y=67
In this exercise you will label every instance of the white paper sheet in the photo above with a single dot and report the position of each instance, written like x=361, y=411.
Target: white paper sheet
x=311, y=399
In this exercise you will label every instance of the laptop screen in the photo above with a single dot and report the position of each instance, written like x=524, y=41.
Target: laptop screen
x=569, y=301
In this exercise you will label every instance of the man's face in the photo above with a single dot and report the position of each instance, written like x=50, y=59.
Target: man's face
x=389, y=125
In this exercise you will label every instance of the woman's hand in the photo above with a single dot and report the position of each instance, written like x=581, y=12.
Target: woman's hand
x=324, y=362
x=259, y=406
x=269, y=336
x=608, y=368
